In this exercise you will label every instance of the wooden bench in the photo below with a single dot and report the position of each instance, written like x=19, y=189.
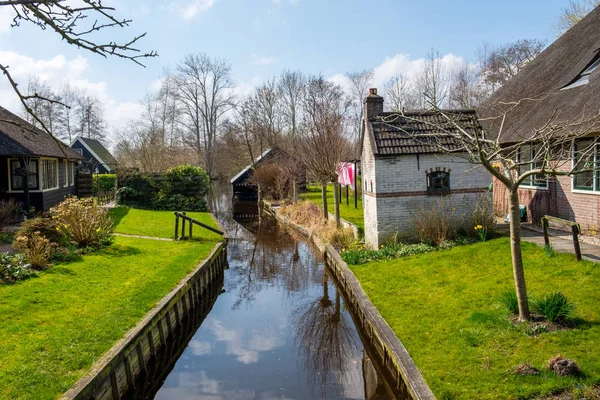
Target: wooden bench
x=562, y=224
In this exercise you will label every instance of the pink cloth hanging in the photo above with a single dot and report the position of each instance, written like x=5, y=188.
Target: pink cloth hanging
x=345, y=172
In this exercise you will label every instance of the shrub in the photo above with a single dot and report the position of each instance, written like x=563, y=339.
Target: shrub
x=389, y=251
x=9, y=212
x=305, y=213
x=13, y=268
x=510, y=301
x=47, y=227
x=104, y=183
x=435, y=221
x=83, y=221
x=555, y=307
x=136, y=190
x=35, y=248
x=480, y=220
x=187, y=180
x=179, y=202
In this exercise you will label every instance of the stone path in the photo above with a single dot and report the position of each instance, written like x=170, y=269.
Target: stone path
x=589, y=252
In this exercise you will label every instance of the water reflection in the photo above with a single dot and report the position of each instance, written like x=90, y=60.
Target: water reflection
x=280, y=329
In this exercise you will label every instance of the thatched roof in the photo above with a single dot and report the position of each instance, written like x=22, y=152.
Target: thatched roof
x=418, y=132
x=20, y=138
x=541, y=86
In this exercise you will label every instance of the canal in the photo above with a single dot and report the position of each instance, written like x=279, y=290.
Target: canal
x=277, y=329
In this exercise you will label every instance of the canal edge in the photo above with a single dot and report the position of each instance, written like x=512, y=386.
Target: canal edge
x=409, y=380
x=115, y=373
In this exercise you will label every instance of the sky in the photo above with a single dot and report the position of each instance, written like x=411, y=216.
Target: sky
x=260, y=38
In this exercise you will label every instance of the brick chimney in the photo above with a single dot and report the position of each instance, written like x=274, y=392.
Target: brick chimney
x=373, y=104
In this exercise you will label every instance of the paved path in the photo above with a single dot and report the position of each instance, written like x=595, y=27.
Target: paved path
x=589, y=252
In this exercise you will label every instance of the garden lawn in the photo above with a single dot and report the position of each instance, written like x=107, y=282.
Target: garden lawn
x=347, y=212
x=161, y=224
x=444, y=308
x=55, y=326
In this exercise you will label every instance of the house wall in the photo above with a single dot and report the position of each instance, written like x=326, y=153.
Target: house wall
x=369, y=184
x=89, y=157
x=558, y=200
x=400, y=188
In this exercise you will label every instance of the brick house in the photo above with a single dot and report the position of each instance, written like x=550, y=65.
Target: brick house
x=403, y=170
x=566, y=80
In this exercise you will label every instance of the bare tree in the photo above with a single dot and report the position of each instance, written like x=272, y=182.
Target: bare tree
x=90, y=117
x=501, y=63
x=291, y=88
x=323, y=144
x=67, y=113
x=266, y=110
x=204, y=89
x=47, y=111
x=432, y=81
x=465, y=88
x=399, y=93
x=574, y=12
x=360, y=82
x=545, y=151
x=69, y=22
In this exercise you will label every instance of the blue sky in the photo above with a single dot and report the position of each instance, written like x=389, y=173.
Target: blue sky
x=262, y=37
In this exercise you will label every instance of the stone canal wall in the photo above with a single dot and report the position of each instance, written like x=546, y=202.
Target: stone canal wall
x=128, y=366
x=399, y=369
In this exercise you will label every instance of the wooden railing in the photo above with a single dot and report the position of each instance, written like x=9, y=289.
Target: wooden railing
x=105, y=197
x=191, y=222
x=562, y=224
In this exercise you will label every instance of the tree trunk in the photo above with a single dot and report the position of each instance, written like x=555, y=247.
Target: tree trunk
x=517, y=258
x=336, y=201
x=324, y=198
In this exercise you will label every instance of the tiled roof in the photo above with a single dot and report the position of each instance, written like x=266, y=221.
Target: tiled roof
x=20, y=138
x=412, y=132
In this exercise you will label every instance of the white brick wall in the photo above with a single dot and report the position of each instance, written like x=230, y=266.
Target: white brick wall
x=385, y=216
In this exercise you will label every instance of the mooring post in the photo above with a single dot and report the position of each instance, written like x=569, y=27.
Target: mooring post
x=191, y=225
x=575, y=229
x=176, y=224
x=545, y=228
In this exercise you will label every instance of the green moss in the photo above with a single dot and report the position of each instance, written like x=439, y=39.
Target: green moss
x=444, y=306
x=347, y=212
x=55, y=326
x=161, y=224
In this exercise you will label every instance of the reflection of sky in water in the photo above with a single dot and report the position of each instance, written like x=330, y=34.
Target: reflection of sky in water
x=253, y=343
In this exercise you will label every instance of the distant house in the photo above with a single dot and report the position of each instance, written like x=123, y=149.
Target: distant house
x=30, y=154
x=98, y=158
x=402, y=169
x=245, y=188
x=566, y=79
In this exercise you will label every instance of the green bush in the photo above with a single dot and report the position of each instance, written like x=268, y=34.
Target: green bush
x=510, y=301
x=179, y=202
x=186, y=180
x=555, y=307
x=136, y=190
x=388, y=251
x=14, y=268
x=104, y=183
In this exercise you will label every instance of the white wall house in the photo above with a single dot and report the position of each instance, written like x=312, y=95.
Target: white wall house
x=402, y=170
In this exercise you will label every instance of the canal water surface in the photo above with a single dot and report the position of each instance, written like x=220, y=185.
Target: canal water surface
x=279, y=328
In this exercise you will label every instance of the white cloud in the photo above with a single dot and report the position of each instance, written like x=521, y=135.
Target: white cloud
x=6, y=18
x=195, y=7
x=57, y=72
x=261, y=60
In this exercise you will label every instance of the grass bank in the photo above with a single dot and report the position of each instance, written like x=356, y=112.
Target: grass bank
x=159, y=223
x=347, y=212
x=444, y=307
x=55, y=326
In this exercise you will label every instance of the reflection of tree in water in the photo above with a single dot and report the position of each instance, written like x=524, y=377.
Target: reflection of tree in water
x=325, y=340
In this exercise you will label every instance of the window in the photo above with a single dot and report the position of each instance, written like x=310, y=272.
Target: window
x=438, y=182
x=49, y=169
x=72, y=174
x=80, y=151
x=584, y=77
x=586, y=157
x=530, y=159
x=65, y=173
x=16, y=176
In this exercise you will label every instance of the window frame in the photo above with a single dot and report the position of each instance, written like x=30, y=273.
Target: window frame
x=583, y=78
x=72, y=173
x=595, y=188
x=43, y=174
x=433, y=191
x=11, y=188
x=532, y=181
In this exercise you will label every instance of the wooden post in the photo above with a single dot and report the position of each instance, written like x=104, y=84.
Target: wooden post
x=183, y=226
x=339, y=194
x=355, y=188
x=575, y=229
x=545, y=228
x=191, y=225
x=347, y=192
x=176, y=225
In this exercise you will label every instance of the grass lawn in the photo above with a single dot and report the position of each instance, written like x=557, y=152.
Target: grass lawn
x=55, y=326
x=443, y=306
x=159, y=223
x=347, y=212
